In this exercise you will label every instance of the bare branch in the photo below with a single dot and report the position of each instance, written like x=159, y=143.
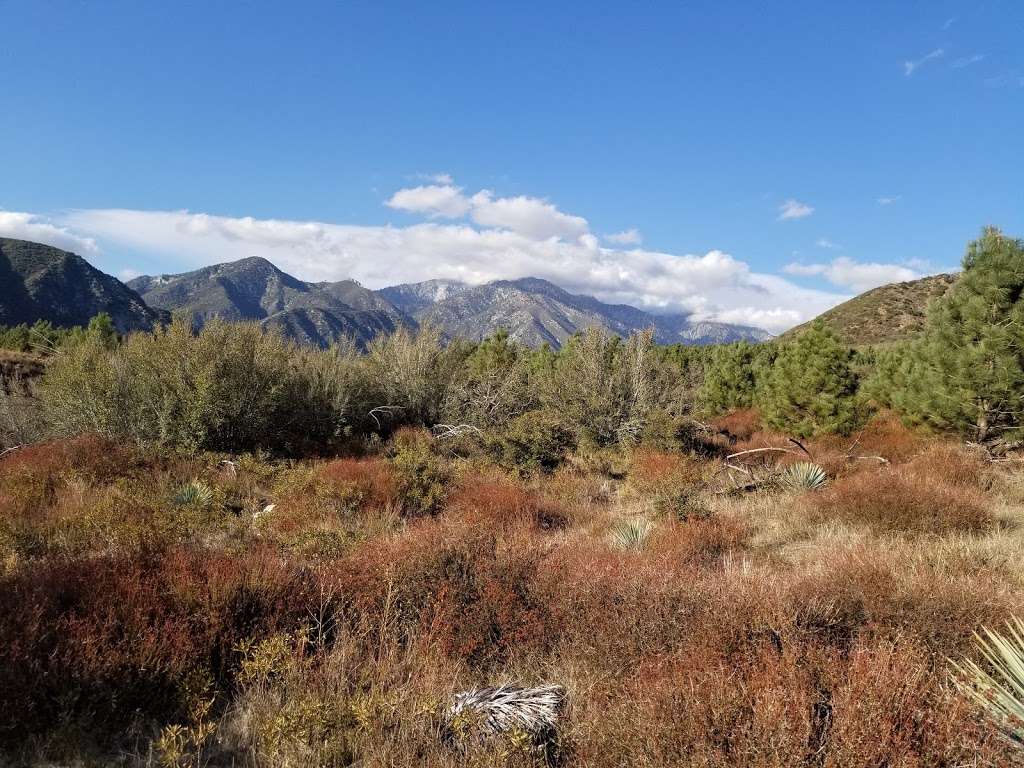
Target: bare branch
x=12, y=449
x=445, y=431
x=760, y=450
x=384, y=410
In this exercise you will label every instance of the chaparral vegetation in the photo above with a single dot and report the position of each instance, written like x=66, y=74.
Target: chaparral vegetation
x=219, y=548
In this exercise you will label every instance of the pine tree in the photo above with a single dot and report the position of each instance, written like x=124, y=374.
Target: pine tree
x=729, y=381
x=966, y=373
x=811, y=387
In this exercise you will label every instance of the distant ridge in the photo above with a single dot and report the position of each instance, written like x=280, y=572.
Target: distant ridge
x=536, y=311
x=40, y=282
x=254, y=289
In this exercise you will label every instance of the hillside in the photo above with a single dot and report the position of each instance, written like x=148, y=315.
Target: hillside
x=254, y=289
x=889, y=313
x=535, y=312
x=39, y=282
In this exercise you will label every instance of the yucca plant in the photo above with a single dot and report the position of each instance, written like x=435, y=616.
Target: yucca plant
x=194, y=494
x=631, y=533
x=999, y=688
x=803, y=476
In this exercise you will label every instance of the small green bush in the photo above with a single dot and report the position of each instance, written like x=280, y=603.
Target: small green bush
x=535, y=441
x=423, y=477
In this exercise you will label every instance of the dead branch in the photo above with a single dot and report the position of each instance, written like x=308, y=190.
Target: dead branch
x=445, y=431
x=383, y=410
x=760, y=450
x=12, y=449
x=801, y=446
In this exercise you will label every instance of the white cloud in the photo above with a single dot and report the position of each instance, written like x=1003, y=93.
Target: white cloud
x=529, y=216
x=824, y=242
x=794, y=209
x=949, y=23
x=966, y=61
x=854, y=275
x=712, y=286
x=445, y=201
x=128, y=274
x=889, y=200
x=909, y=67
x=626, y=237
x=28, y=226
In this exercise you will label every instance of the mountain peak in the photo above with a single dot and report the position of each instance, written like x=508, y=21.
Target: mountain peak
x=254, y=289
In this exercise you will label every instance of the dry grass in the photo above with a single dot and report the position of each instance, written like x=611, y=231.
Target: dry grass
x=777, y=629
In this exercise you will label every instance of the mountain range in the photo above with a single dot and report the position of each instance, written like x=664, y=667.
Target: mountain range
x=39, y=282
x=533, y=311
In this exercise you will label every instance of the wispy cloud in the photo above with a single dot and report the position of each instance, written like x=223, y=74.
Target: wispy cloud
x=1011, y=79
x=794, y=209
x=436, y=178
x=626, y=237
x=855, y=275
x=889, y=200
x=966, y=61
x=909, y=67
x=949, y=23
x=824, y=242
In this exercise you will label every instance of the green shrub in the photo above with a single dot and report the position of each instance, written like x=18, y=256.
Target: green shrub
x=803, y=476
x=631, y=534
x=410, y=374
x=422, y=477
x=535, y=441
x=730, y=376
x=998, y=686
x=232, y=387
x=605, y=388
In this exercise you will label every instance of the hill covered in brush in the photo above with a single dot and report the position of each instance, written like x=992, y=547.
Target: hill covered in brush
x=893, y=312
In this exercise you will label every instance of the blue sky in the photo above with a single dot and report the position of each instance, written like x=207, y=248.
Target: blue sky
x=399, y=141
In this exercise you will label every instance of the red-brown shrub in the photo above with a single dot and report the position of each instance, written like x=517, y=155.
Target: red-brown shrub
x=373, y=479
x=700, y=541
x=950, y=464
x=500, y=502
x=739, y=425
x=898, y=500
x=109, y=639
x=884, y=435
x=455, y=582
